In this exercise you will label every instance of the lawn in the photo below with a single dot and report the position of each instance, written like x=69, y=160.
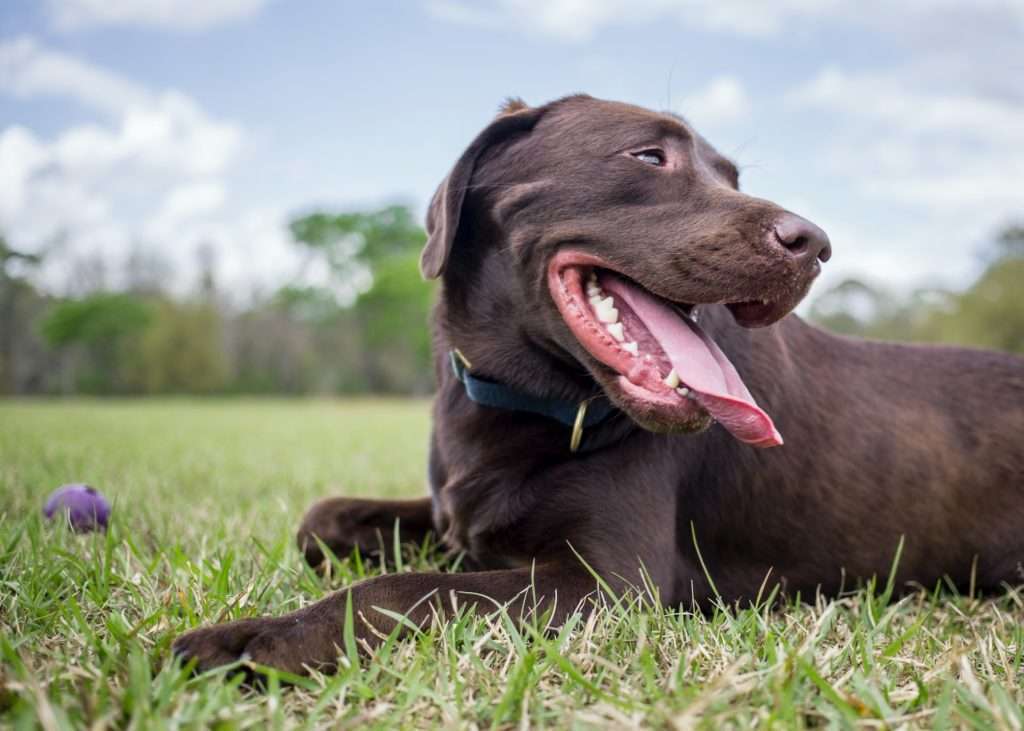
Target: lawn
x=207, y=495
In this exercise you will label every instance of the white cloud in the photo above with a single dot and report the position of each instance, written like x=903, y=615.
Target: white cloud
x=28, y=70
x=889, y=99
x=163, y=131
x=940, y=163
x=254, y=249
x=151, y=171
x=186, y=203
x=20, y=155
x=937, y=147
x=186, y=15
x=723, y=101
x=580, y=20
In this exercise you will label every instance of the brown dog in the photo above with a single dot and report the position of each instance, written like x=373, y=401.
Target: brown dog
x=578, y=245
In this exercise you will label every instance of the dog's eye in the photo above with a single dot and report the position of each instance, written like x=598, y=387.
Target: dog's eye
x=651, y=157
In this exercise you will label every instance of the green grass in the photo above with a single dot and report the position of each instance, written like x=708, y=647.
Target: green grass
x=207, y=495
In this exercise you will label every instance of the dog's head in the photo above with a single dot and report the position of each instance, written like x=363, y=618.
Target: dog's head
x=595, y=231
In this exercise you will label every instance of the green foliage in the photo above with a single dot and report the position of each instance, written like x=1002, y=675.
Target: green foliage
x=397, y=304
x=130, y=344
x=364, y=330
x=101, y=332
x=388, y=313
x=392, y=317
x=99, y=318
x=364, y=237
x=855, y=307
x=19, y=302
x=181, y=351
x=988, y=314
x=307, y=304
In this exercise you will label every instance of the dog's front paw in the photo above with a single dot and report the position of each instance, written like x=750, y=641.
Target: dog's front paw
x=262, y=641
x=220, y=644
x=343, y=525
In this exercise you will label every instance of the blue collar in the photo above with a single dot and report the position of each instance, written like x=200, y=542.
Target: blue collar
x=576, y=415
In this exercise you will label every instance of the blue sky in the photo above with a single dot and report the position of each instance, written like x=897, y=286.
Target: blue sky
x=163, y=125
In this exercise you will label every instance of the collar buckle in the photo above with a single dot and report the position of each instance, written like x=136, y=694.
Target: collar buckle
x=577, y=427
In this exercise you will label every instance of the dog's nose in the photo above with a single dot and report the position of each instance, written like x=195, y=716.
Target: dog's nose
x=802, y=239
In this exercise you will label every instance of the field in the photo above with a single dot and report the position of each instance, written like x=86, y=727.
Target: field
x=207, y=495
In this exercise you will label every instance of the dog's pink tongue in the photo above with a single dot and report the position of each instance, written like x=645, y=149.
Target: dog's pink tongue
x=703, y=367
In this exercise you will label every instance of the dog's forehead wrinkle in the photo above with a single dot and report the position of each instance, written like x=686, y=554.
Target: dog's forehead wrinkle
x=674, y=128
x=602, y=124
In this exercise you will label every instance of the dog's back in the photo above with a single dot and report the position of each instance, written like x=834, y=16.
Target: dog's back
x=885, y=443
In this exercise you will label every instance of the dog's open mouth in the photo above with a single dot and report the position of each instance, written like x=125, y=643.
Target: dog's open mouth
x=667, y=365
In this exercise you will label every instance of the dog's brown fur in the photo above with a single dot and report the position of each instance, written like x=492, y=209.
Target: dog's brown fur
x=884, y=442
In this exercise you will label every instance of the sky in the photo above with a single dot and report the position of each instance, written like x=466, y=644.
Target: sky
x=179, y=126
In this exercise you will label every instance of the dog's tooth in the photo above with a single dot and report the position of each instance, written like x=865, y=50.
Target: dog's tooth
x=672, y=379
x=631, y=348
x=605, y=310
x=615, y=329
x=595, y=301
x=683, y=391
x=593, y=291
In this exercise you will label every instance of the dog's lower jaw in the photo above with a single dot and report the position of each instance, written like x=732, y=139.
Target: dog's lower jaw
x=668, y=367
x=635, y=404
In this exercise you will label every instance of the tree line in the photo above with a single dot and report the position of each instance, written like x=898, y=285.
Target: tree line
x=988, y=313
x=363, y=330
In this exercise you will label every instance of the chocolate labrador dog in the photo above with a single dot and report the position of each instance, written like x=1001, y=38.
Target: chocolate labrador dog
x=622, y=394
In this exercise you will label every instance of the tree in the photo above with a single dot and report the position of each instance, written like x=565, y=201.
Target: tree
x=15, y=293
x=102, y=325
x=393, y=320
x=348, y=240
x=849, y=307
x=372, y=260
x=181, y=350
x=988, y=314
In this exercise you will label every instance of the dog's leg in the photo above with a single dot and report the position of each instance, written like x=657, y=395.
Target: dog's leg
x=313, y=637
x=344, y=524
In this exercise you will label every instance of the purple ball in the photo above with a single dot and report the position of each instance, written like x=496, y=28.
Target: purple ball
x=85, y=507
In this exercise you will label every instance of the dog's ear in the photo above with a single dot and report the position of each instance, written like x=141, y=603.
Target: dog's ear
x=445, y=210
